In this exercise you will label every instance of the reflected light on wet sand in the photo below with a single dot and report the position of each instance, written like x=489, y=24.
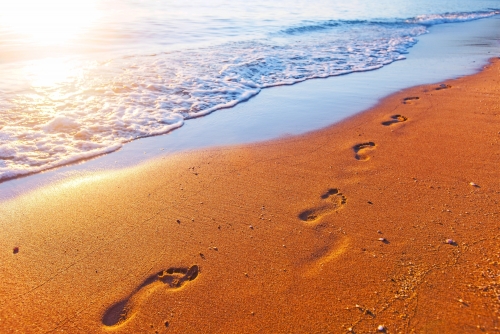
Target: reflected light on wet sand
x=48, y=22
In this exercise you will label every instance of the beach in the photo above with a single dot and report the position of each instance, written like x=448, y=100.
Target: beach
x=386, y=221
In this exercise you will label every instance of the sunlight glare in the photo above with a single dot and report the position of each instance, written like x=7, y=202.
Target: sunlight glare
x=48, y=72
x=48, y=22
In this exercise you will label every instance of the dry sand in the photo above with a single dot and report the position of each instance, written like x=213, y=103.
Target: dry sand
x=342, y=229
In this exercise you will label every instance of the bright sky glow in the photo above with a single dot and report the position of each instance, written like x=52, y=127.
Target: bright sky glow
x=48, y=22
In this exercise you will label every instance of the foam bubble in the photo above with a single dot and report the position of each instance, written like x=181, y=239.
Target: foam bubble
x=60, y=124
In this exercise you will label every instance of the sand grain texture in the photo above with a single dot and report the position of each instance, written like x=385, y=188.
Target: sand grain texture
x=342, y=228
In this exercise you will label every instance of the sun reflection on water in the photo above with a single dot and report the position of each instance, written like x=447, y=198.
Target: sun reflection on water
x=48, y=22
x=49, y=72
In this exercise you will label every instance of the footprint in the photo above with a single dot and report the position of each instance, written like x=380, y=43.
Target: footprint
x=326, y=255
x=442, y=86
x=332, y=200
x=395, y=119
x=330, y=192
x=362, y=149
x=121, y=312
x=407, y=100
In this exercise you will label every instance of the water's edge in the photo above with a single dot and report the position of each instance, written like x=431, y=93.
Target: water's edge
x=449, y=51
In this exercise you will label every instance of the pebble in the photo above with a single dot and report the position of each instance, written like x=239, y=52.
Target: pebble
x=251, y=227
x=381, y=328
x=382, y=239
x=474, y=184
x=450, y=241
x=15, y=250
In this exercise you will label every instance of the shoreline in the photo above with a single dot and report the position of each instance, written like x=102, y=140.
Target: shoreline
x=254, y=121
x=387, y=218
x=298, y=109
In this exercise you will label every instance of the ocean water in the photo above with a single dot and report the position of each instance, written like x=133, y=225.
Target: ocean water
x=83, y=78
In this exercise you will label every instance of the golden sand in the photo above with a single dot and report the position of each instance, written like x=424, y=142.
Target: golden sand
x=388, y=220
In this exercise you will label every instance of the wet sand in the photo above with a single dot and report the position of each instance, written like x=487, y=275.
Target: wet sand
x=388, y=220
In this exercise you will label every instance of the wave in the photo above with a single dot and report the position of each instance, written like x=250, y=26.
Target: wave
x=452, y=17
x=311, y=27
x=426, y=20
